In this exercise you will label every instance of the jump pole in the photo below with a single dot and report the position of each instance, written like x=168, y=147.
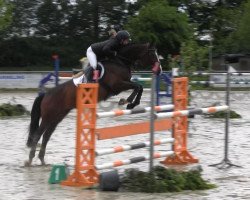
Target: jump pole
x=152, y=128
x=226, y=163
x=56, y=68
x=85, y=173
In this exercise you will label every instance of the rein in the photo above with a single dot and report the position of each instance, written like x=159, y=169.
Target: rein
x=127, y=61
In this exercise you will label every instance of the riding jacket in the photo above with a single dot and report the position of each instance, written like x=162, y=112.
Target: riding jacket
x=107, y=48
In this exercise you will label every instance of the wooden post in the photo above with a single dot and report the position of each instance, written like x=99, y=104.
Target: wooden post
x=85, y=173
x=180, y=125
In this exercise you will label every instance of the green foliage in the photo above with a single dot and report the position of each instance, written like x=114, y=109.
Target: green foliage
x=200, y=13
x=162, y=24
x=44, y=27
x=50, y=19
x=224, y=27
x=223, y=114
x=8, y=109
x=163, y=180
x=243, y=31
x=194, y=57
x=5, y=14
x=38, y=52
x=230, y=27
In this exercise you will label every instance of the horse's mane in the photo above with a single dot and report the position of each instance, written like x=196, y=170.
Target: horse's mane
x=133, y=49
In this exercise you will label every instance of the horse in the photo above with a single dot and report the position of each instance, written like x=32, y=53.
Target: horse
x=51, y=107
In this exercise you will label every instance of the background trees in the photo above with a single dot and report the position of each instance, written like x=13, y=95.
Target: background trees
x=31, y=31
x=162, y=24
x=239, y=40
x=5, y=14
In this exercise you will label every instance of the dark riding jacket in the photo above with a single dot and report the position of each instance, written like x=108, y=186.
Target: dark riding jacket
x=107, y=48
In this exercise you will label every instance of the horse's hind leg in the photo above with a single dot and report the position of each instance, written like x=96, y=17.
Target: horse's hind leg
x=46, y=136
x=36, y=138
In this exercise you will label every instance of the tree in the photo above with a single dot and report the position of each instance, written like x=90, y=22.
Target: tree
x=242, y=34
x=160, y=23
x=5, y=14
x=224, y=24
x=24, y=18
x=194, y=56
x=227, y=17
x=51, y=19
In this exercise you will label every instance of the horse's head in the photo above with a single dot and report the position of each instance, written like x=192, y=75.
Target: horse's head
x=144, y=55
x=150, y=57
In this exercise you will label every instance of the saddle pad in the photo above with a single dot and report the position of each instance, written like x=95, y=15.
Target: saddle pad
x=79, y=80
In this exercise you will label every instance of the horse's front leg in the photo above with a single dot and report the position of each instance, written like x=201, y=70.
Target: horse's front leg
x=129, y=99
x=137, y=99
x=134, y=99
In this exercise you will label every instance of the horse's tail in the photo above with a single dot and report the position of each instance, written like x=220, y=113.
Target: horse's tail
x=35, y=117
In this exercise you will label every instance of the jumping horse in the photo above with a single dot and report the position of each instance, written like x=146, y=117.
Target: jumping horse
x=54, y=105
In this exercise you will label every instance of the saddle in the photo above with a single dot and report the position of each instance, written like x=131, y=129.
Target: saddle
x=88, y=72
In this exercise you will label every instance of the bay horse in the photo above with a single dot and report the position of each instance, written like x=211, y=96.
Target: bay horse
x=54, y=105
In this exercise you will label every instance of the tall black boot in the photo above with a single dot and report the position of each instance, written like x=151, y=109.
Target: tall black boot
x=89, y=74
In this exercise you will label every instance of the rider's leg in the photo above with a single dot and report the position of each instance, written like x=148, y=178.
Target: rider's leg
x=93, y=62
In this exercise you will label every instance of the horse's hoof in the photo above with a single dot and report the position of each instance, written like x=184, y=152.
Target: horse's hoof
x=43, y=163
x=130, y=106
x=122, y=102
x=27, y=163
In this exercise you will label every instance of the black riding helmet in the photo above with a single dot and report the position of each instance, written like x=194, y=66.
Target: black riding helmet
x=123, y=35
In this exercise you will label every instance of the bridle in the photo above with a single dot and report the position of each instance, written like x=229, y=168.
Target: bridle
x=149, y=50
x=127, y=61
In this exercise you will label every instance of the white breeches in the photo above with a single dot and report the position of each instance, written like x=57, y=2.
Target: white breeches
x=92, y=58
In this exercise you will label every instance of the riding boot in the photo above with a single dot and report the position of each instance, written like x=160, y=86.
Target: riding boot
x=96, y=75
x=89, y=74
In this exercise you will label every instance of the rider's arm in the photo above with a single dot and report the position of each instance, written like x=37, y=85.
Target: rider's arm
x=109, y=48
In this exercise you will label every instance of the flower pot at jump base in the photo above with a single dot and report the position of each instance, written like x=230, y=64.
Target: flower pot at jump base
x=58, y=174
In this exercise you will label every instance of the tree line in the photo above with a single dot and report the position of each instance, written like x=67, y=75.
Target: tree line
x=32, y=31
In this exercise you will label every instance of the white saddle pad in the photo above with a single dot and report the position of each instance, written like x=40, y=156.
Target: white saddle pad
x=79, y=80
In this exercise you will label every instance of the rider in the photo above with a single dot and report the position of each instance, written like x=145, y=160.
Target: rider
x=108, y=49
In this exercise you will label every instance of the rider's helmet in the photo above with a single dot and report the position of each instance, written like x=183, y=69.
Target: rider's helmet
x=122, y=35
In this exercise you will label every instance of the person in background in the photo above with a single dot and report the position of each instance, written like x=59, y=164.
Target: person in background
x=113, y=30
